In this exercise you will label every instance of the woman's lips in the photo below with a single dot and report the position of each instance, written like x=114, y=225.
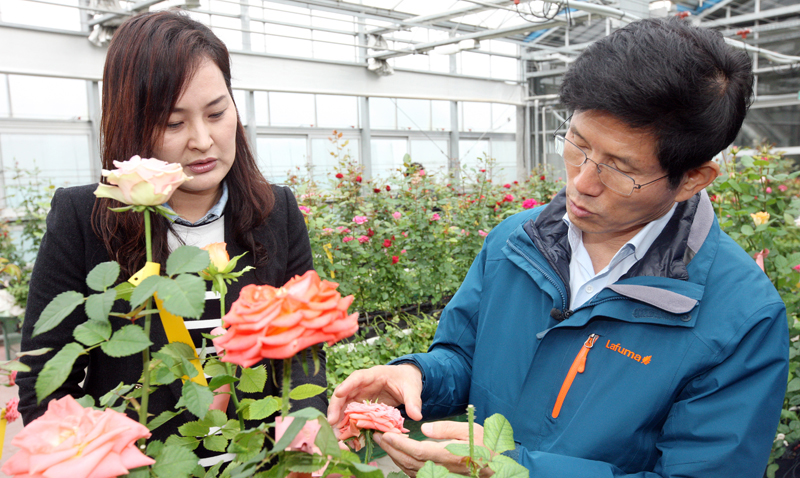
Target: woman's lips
x=202, y=166
x=577, y=210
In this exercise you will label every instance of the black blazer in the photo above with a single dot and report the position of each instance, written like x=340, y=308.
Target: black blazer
x=70, y=249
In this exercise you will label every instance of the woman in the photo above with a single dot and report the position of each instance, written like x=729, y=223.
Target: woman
x=166, y=94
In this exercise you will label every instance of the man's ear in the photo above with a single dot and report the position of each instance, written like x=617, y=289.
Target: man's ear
x=696, y=179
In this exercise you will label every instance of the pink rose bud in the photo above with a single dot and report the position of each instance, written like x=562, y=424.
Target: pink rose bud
x=142, y=182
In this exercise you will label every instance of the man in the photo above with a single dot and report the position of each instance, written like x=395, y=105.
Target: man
x=618, y=329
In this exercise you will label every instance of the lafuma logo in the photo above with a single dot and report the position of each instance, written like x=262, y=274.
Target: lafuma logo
x=628, y=353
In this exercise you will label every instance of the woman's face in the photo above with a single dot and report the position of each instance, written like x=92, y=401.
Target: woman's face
x=201, y=131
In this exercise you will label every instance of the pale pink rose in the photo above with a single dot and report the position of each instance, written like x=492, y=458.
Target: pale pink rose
x=304, y=209
x=397, y=215
x=348, y=238
x=403, y=251
x=363, y=239
x=483, y=233
x=342, y=230
x=783, y=188
x=276, y=323
x=327, y=231
x=422, y=172
x=12, y=378
x=797, y=267
x=304, y=441
x=11, y=413
x=72, y=441
x=760, y=256
x=435, y=216
x=371, y=416
x=360, y=219
x=769, y=190
x=529, y=203
x=142, y=182
x=405, y=234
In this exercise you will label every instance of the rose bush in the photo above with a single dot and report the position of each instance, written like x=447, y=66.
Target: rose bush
x=276, y=323
x=142, y=182
x=105, y=442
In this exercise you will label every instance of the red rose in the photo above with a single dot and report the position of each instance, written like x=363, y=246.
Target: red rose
x=370, y=232
x=358, y=179
x=339, y=175
x=541, y=177
x=388, y=188
x=376, y=190
x=395, y=259
x=387, y=243
x=507, y=186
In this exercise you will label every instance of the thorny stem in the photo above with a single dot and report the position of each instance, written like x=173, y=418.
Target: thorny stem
x=147, y=320
x=287, y=384
x=473, y=470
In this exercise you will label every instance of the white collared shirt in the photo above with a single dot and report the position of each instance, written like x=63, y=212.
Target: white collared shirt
x=583, y=282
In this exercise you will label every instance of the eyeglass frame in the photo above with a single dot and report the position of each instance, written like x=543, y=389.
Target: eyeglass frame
x=586, y=157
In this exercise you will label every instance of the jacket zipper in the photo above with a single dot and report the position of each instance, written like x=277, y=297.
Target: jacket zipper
x=578, y=366
x=541, y=271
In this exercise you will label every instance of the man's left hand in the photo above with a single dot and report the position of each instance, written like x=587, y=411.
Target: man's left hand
x=410, y=454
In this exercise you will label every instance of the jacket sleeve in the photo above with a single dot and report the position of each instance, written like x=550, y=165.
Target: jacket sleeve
x=59, y=267
x=722, y=423
x=447, y=366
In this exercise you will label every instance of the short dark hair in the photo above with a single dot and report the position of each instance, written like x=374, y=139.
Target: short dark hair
x=151, y=58
x=682, y=84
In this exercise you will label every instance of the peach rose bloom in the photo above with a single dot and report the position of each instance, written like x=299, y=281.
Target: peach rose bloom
x=760, y=218
x=218, y=253
x=70, y=441
x=371, y=416
x=275, y=323
x=142, y=182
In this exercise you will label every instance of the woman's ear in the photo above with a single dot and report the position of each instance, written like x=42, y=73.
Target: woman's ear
x=696, y=179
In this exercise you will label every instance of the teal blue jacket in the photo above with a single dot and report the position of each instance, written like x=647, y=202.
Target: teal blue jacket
x=678, y=369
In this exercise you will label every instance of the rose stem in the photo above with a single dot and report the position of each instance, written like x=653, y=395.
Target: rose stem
x=287, y=384
x=228, y=368
x=367, y=446
x=471, y=418
x=146, y=351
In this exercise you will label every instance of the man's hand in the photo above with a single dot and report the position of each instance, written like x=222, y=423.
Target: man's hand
x=390, y=384
x=410, y=454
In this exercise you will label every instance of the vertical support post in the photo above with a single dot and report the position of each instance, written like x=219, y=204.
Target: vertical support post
x=93, y=103
x=251, y=128
x=522, y=146
x=536, y=159
x=454, y=163
x=245, y=18
x=366, y=137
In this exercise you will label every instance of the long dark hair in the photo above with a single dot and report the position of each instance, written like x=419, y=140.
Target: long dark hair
x=151, y=58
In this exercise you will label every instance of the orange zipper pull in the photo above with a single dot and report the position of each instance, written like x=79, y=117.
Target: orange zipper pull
x=578, y=366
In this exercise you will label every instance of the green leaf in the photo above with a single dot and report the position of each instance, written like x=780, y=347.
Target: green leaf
x=215, y=443
x=396, y=474
x=194, y=429
x=505, y=467
x=184, y=296
x=56, y=370
x=103, y=276
x=214, y=367
x=326, y=440
x=57, y=310
x=794, y=385
x=197, y=397
x=230, y=429
x=86, y=401
x=126, y=341
x=747, y=230
x=141, y=472
x=261, y=409
x=462, y=449
x=161, y=419
x=291, y=432
x=360, y=470
x=252, y=379
x=432, y=470
x=174, y=461
x=215, y=418
x=154, y=447
x=221, y=380
x=185, y=442
x=109, y=398
x=497, y=434
x=124, y=290
x=307, y=390
x=187, y=259
x=98, y=306
x=145, y=290
x=92, y=332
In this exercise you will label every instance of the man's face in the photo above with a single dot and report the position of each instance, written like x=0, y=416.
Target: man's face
x=600, y=213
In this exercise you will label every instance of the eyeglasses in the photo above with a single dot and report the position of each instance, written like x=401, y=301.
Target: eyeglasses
x=610, y=176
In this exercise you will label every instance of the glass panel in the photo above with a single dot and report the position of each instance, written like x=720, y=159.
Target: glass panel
x=431, y=154
x=324, y=162
x=382, y=113
x=280, y=157
x=504, y=118
x=505, y=154
x=497, y=46
x=53, y=98
x=470, y=151
x=42, y=15
x=240, y=98
x=477, y=116
x=229, y=30
x=411, y=62
x=439, y=63
x=334, y=51
x=414, y=114
x=291, y=42
x=475, y=64
x=387, y=156
x=291, y=109
x=504, y=68
x=4, y=96
x=334, y=111
x=61, y=158
x=440, y=115
x=261, y=101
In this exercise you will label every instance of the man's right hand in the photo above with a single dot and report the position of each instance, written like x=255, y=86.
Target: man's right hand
x=390, y=384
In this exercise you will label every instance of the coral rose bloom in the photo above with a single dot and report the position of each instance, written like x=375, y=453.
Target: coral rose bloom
x=142, y=182
x=370, y=416
x=276, y=323
x=72, y=441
